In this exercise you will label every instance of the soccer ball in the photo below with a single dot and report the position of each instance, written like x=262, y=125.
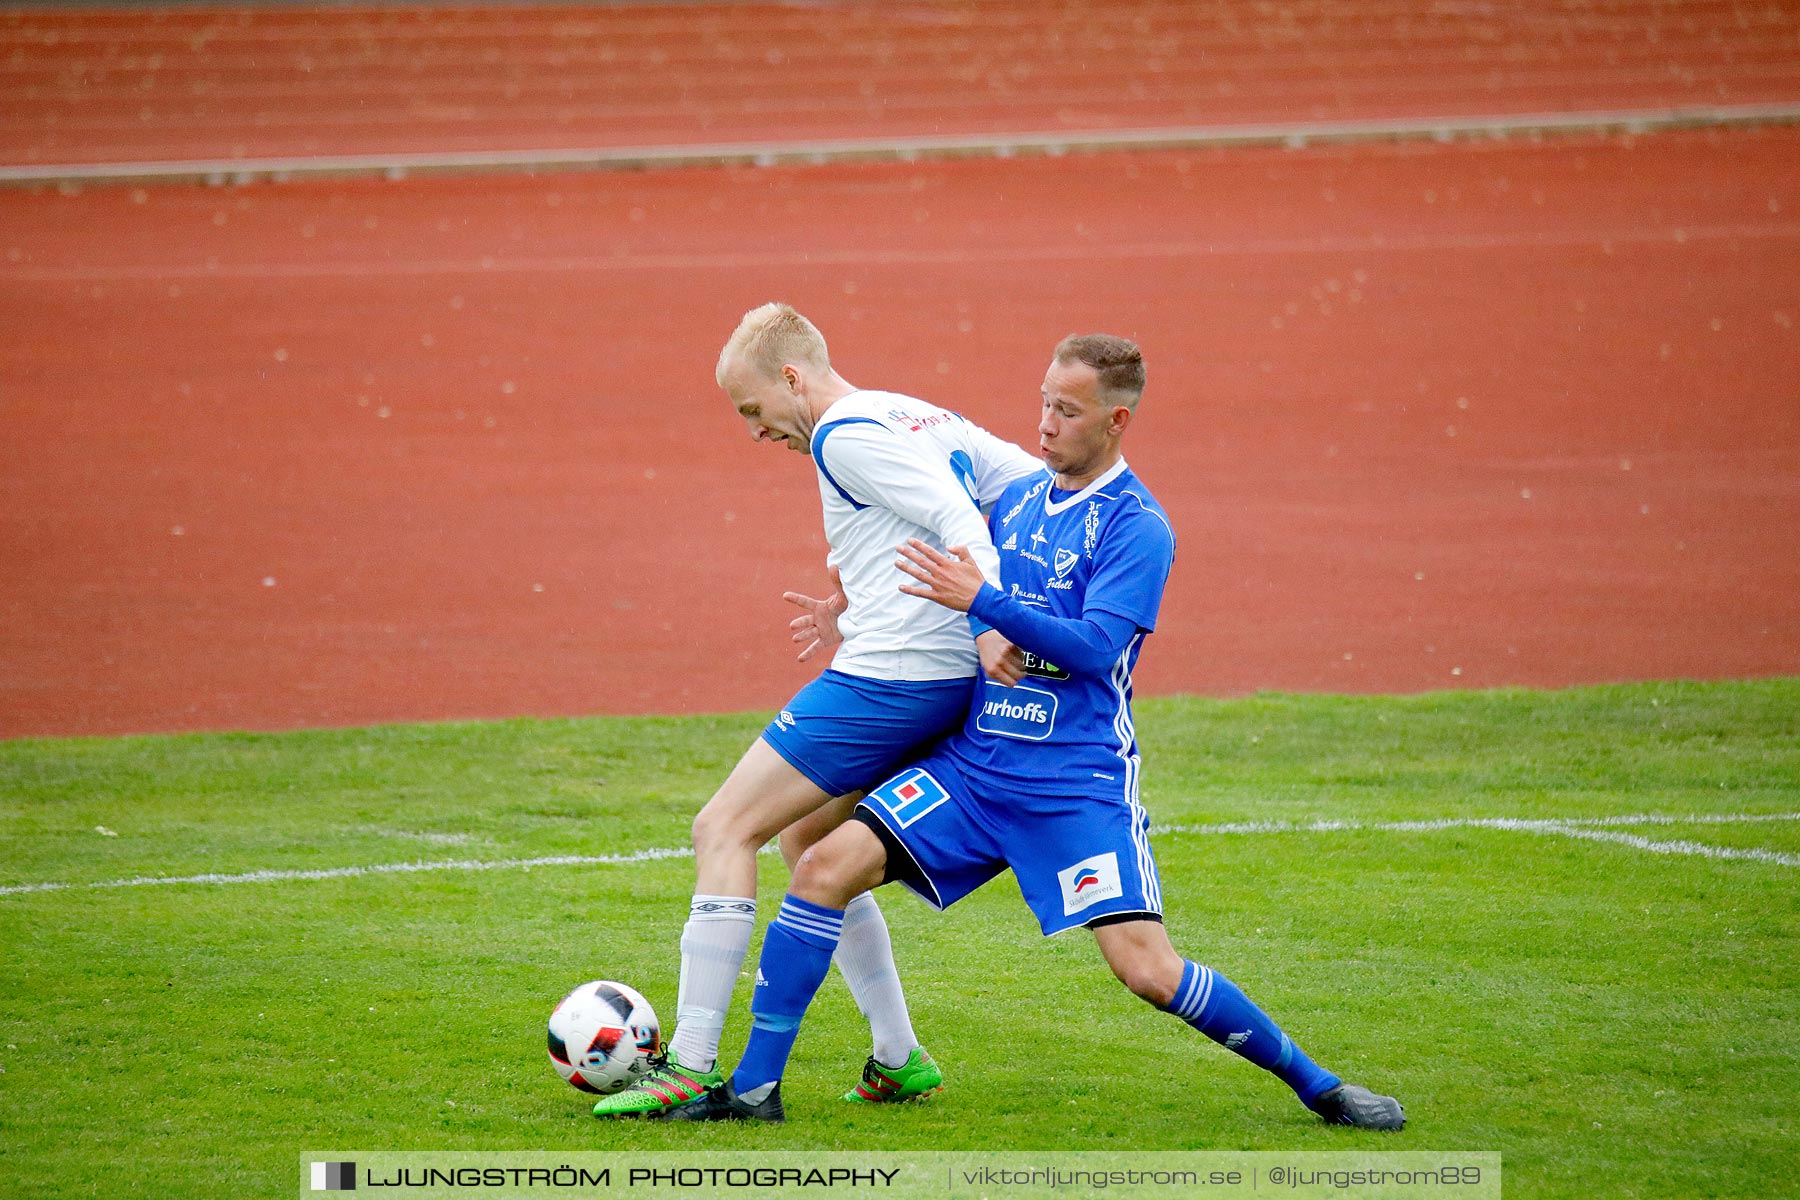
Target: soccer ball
x=602, y=1036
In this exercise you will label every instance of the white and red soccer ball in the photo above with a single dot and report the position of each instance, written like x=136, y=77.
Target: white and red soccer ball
x=602, y=1036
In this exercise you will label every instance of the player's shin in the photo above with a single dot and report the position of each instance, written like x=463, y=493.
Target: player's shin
x=713, y=944
x=1216, y=1007
x=796, y=957
x=865, y=955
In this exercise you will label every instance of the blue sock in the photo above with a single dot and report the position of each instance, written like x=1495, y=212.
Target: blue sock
x=1216, y=1007
x=796, y=956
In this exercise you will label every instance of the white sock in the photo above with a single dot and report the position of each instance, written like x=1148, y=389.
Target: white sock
x=866, y=958
x=713, y=944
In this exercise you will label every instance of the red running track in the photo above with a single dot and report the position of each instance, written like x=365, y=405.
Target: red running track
x=1424, y=416
x=99, y=85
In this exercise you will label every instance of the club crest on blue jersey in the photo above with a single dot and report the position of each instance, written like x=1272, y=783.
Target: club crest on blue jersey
x=1090, y=881
x=910, y=795
x=1026, y=713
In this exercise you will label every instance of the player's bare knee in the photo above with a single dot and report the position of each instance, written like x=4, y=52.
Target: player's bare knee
x=714, y=839
x=723, y=826
x=795, y=841
x=835, y=870
x=819, y=876
x=705, y=830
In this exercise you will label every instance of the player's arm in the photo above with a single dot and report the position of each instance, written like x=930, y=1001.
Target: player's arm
x=998, y=464
x=875, y=465
x=1001, y=659
x=1122, y=596
x=1087, y=645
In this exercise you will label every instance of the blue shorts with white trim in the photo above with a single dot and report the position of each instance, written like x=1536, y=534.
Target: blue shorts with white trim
x=848, y=732
x=1077, y=858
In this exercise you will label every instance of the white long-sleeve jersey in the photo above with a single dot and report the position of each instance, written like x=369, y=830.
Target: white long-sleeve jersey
x=893, y=467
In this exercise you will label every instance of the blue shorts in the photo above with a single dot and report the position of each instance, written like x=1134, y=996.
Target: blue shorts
x=846, y=732
x=1077, y=858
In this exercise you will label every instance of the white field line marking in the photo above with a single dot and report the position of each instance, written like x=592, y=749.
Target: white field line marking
x=1587, y=828
x=467, y=864
x=1603, y=239
x=904, y=149
x=1590, y=828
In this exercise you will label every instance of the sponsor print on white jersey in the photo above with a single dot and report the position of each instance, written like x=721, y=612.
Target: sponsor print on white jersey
x=893, y=467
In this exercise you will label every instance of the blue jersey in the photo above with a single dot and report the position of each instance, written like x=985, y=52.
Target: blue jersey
x=1106, y=549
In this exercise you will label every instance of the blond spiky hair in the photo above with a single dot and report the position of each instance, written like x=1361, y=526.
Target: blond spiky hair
x=769, y=337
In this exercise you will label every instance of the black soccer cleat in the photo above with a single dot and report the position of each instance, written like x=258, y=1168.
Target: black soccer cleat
x=1352, y=1104
x=722, y=1104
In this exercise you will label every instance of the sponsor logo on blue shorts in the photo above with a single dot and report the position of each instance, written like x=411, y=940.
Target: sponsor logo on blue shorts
x=1090, y=881
x=910, y=795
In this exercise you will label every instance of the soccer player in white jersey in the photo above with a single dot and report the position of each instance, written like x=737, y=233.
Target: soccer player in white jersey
x=1043, y=779
x=890, y=468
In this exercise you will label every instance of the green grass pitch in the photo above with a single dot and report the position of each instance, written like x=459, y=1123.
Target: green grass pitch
x=1615, y=1020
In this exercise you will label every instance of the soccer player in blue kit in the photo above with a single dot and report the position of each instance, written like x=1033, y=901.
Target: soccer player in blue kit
x=1043, y=779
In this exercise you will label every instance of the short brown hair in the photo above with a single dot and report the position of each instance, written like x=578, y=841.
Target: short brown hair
x=1116, y=360
x=770, y=336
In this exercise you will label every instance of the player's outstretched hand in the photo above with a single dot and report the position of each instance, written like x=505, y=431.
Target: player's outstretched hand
x=952, y=579
x=817, y=625
x=1001, y=661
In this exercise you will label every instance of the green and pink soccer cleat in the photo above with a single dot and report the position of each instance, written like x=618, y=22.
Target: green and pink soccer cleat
x=668, y=1085
x=918, y=1076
